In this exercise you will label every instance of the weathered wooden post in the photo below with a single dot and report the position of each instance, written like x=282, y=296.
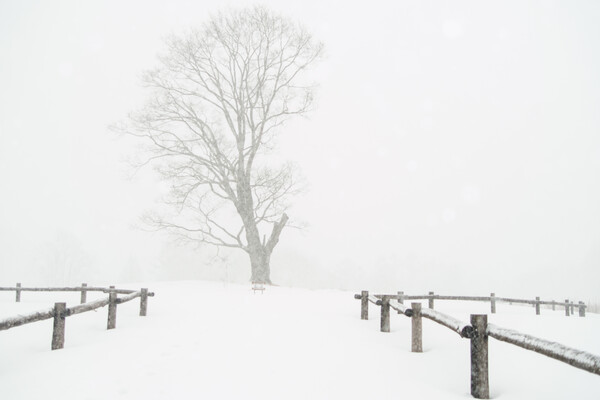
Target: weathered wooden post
x=112, y=309
x=431, y=300
x=493, y=302
x=572, y=308
x=18, y=293
x=385, y=314
x=581, y=309
x=401, y=297
x=83, y=293
x=566, y=307
x=553, y=305
x=58, y=331
x=480, y=386
x=417, y=328
x=537, y=305
x=364, y=304
x=144, y=302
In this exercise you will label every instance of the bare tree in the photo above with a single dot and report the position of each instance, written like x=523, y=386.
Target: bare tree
x=63, y=260
x=220, y=95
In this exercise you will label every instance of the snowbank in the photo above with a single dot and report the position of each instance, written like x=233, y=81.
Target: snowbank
x=208, y=340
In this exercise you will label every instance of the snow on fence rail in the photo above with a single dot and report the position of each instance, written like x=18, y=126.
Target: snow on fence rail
x=478, y=331
x=577, y=358
x=60, y=311
x=431, y=297
x=83, y=289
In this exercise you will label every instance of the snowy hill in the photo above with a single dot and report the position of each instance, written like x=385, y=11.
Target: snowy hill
x=212, y=341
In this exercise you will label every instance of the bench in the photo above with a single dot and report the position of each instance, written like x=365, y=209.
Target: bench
x=258, y=286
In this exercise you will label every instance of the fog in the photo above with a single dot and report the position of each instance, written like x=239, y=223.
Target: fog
x=454, y=147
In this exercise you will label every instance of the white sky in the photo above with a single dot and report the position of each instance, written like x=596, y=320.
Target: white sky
x=455, y=146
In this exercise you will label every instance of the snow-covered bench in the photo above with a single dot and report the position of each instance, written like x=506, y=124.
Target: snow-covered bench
x=258, y=286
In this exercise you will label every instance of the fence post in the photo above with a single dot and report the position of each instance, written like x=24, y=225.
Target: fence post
x=581, y=309
x=58, y=332
x=537, y=305
x=566, y=307
x=480, y=385
x=417, y=328
x=144, y=303
x=493, y=302
x=572, y=308
x=553, y=305
x=364, y=304
x=83, y=293
x=431, y=300
x=112, y=309
x=401, y=297
x=18, y=291
x=385, y=314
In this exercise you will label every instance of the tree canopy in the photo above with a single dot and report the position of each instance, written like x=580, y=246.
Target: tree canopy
x=220, y=95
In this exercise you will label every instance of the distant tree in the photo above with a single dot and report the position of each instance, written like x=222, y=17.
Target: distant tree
x=62, y=260
x=220, y=96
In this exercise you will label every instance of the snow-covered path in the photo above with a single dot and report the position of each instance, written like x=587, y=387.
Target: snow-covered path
x=208, y=340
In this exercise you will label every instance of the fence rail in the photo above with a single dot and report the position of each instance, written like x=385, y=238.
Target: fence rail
x=464, y=329
x=19, y=320
x=401, y=309
x=60, y=311
x=478, y=331
x=83, y=288
x=577, y=358
x=66, y=289
x=569, y=306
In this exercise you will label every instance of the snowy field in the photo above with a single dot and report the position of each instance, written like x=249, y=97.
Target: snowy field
x=214, y=341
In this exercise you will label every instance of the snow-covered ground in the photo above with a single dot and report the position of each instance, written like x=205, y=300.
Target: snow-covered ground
x=214, y=341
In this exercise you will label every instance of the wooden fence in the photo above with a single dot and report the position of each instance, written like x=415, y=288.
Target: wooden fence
x=60, y=311
x=569, y=306
x=477, y=331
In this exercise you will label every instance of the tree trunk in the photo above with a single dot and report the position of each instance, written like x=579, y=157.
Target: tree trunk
x=260, y=264
x=258, y=256
x=260, y=253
